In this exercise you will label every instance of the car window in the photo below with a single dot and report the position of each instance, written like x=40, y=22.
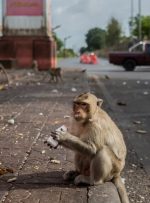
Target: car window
x=147, y=47
x=138, y=48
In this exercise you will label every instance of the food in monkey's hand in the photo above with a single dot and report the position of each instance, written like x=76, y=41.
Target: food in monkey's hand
x=51, y=141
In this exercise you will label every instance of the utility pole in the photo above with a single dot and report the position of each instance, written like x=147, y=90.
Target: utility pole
x=132, y=16
x=65, y=39
x=140, y=25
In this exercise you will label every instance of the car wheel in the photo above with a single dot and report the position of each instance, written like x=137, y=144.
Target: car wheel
x=129, y=65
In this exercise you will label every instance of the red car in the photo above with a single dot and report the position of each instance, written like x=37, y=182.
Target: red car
x=88, y=58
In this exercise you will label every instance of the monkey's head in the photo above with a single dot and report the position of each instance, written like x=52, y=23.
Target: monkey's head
x=85, y=106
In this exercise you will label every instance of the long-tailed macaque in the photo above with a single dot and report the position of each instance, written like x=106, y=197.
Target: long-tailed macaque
x=99, y=147
x=55, y=74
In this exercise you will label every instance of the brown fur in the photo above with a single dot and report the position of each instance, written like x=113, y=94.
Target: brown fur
x=55, y=74
x=99, y=147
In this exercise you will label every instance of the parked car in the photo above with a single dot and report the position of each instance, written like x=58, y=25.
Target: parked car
x=137, y=55
x=88, y=58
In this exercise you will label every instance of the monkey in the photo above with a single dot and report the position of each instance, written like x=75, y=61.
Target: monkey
x=98, y=143
x=55, y=74
x=4, y=75
x=35, y=65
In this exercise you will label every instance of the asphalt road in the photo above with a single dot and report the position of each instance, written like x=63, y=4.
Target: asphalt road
x=103, y=68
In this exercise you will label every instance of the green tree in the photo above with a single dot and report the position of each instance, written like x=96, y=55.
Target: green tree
x=59, y=42
x=95, y=39
x=82, y=50
x=113, y=32
x=145, y=26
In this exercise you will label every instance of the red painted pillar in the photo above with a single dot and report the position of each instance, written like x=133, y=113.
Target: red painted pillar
x=53, y=58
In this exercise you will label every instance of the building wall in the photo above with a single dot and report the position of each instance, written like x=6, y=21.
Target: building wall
x=26, y=17
x=1, y=19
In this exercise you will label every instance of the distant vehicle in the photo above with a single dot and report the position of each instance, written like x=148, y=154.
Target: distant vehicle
x=137, y=55
x=88, y=58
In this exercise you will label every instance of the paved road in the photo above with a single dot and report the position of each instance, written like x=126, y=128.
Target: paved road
x=103, y=68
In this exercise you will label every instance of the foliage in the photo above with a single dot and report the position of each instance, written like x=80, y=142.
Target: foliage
x=95, y=39
x=82, y=50
x=145, y=26
x=66, y=53
x=59, y=42
x=113, y=33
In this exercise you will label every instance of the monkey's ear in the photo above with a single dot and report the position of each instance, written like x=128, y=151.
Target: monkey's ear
x=99, y=102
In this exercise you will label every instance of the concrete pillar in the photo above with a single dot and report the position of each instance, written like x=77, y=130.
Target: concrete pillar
x=1, y=19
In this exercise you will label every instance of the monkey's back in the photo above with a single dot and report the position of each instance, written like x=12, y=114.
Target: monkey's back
x=113, y=137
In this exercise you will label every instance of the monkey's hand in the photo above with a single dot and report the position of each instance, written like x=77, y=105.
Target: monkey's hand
x=72, y=142
x=60, y=136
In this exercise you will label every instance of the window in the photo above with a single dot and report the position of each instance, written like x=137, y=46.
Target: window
x=147, y=48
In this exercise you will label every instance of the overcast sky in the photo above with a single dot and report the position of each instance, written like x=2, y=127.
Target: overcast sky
x=76, y=17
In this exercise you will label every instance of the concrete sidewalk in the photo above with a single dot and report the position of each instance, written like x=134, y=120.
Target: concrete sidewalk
x=37, y=108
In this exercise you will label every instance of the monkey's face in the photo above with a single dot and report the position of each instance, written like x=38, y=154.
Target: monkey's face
x=85, y=106
x=80, y=111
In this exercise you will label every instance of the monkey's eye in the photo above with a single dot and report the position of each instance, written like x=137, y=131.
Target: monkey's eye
x=84, y=105
x=76, y=104
x=80, y=105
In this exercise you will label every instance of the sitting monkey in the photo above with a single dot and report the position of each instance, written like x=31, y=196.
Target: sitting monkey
x=99, y=147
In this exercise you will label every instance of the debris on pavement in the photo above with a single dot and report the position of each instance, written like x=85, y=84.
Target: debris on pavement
x=137, y=122
x=43, y=152
x=138, y=82
x=54, y=161
x=141, y=131
x=120, y=103
x=11, y=180
x=124, y=83
x=36, y=167
x=40, y=114
x=55, y=91
x=66, y=116
x=11, y=121
x=107, y=77
x=73, y=89
x=145, y=93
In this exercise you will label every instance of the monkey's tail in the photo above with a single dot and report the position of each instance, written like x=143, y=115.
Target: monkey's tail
x=121, y=189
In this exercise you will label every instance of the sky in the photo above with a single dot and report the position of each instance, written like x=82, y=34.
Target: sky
x=76, y=17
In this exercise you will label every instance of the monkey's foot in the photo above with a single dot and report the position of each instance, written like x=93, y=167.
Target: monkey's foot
x=82, y=180
x=70, y=175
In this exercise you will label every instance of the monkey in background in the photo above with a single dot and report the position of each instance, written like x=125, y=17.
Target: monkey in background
x=55, y=74
x=99, y=147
